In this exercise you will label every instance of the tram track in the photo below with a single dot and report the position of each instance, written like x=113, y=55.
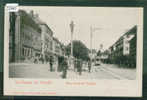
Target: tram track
x=113, y=74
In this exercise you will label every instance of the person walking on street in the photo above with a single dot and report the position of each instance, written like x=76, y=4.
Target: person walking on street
x=89, y=66
x=75, y=65
x=60, y=60
x=35, y=60
x=51, y=63
x=79, y=66
x=64, y=68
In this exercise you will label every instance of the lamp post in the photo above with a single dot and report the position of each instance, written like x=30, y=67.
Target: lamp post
x=72, y=29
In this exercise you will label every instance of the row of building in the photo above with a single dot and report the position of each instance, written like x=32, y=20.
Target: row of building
x=123, y=51
x=31, y=40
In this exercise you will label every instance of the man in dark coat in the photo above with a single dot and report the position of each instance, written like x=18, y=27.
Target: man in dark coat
x=79, y=66
x=60, y=60
x=75, y=65
x=89, y=66
x=64, y=68
x=51, y=63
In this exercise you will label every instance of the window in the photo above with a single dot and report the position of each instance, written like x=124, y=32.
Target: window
x=127, y=48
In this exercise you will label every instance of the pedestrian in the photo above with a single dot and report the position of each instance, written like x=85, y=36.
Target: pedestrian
x=79, y=66
x=51, y=63
x=60, y=59
x=75, y=65
x=89, y=66
x=42, y=59
x=35, y=59
x=64, y=68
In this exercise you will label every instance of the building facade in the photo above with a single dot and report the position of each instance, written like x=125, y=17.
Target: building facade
x=47, y=42
x=25, y=40
x=32, y=41
x=123, y=51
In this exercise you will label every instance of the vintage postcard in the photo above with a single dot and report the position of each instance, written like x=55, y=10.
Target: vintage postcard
x=73, y=51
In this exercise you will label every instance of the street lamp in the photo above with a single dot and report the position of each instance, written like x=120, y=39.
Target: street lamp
x=72, y=29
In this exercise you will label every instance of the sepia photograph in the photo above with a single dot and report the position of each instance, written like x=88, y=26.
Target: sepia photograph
x=64, y=43
x=74, y=48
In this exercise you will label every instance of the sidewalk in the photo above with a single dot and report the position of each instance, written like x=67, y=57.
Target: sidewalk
x=23, y=70
x=27, y=64
x=127, y=73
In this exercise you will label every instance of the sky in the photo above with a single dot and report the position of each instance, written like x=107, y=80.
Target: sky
x=110, y=23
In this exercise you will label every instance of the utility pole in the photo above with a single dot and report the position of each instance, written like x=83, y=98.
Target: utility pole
x=91, y=45
x=91, y=38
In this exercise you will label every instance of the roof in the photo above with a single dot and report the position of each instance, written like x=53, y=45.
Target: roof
x=56, y=39
x=47, y=27
x=28, y=20
x=133, y=30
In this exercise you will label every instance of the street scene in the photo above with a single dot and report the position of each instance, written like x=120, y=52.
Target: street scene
x=79, y=43
x=104, y=71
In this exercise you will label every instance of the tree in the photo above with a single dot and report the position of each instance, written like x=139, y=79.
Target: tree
x=80, y=51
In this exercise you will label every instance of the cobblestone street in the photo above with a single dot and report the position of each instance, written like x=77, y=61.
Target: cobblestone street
x=104, y=71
